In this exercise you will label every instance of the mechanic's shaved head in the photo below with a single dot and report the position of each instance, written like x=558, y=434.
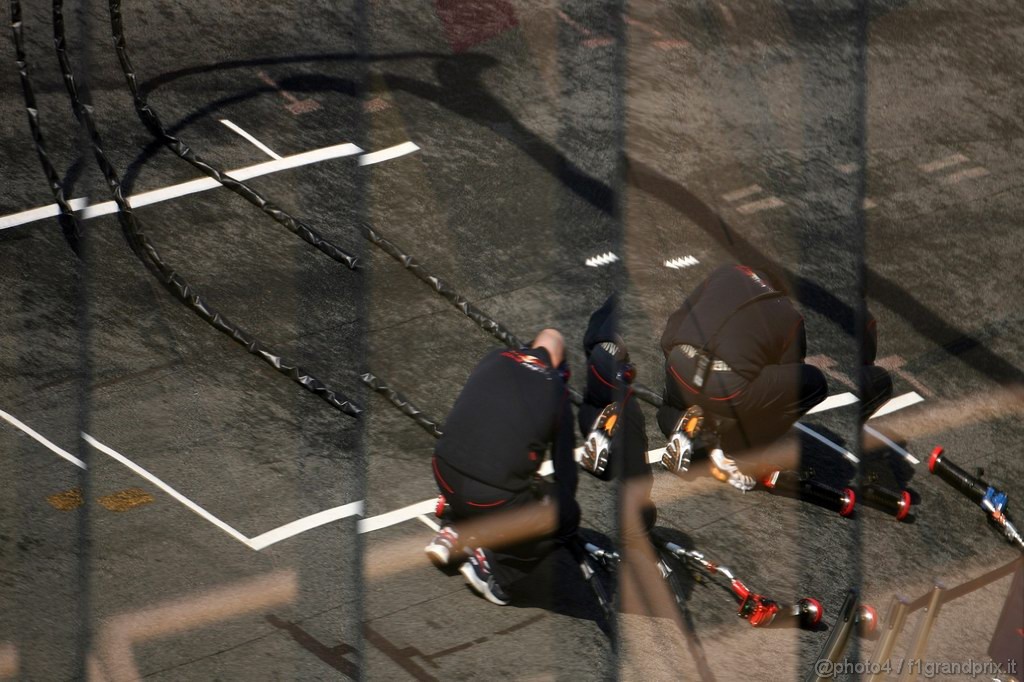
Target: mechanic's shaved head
x=553, y=342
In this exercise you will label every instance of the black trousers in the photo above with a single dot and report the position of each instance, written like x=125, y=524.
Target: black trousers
x=470, y=499
x=762, y=409
x=765, y=408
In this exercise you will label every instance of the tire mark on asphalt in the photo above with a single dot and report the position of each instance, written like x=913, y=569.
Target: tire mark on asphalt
x=403, y=657
x=430, y=658
x=333, y=656
x=519, y=626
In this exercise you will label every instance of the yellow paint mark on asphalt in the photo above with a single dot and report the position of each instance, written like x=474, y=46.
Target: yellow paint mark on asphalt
x=126, y=499
x=68, y=500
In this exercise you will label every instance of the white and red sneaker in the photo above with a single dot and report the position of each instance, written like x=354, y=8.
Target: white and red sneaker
x=444, y=547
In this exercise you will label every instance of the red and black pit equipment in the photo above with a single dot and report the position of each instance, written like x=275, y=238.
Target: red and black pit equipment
x=804, y=486
x=757, y=609
x=894, y=502
x=978, y=491
x=843, y=501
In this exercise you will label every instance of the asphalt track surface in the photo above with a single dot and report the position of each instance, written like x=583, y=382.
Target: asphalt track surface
x=876, y=152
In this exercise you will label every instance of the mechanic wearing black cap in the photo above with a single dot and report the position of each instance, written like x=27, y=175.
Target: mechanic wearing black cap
x=734, y=351
x=514, y=406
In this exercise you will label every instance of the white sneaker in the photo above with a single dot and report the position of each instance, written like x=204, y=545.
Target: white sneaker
x=683, y=441
x=678, y=453
x=444, y=547
x=724, y=469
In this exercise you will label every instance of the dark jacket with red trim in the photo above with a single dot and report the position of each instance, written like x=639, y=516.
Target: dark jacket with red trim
x=513, y=408
x=767, y=332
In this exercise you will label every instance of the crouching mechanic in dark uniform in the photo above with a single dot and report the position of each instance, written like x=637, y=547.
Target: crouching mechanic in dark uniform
x=613, y=425
x=514, y=407
x=734, y=351
x=615, y=448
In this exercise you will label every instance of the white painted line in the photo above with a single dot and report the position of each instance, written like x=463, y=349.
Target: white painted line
x=32, y=433
x=260, y=541
x=166, y=488
x=892, y=444
x=397, y=516
x=41, y=213
x=428, y=522
x=939, y=164
x=834, y=401
x=762, y=205
x=741, y=193
x=976, y=172
x=897, y=403
x=259, y=145
x=547, y=468
x=269, y=538
x=420, y=509
x=388, y=154
x=184, y=188
x=606, y=258
x=838, y=448
x=681, y=263
x=307, y=523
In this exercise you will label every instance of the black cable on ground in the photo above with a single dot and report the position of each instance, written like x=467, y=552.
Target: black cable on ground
x=403, y=404
x=178, y=146
x=488, y=324
x=482, y=320
x=68, y=220
x=647, y=395
x=147, y=253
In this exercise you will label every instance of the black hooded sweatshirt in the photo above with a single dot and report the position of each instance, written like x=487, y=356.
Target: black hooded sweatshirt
x=513, y=407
